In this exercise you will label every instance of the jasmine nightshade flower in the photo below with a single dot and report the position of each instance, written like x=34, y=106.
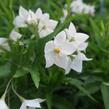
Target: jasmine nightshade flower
x=3, y=105
x=45, y=24
x=15, y=35
x=31, y=104
x=41, y=22
x=76, y=38
x=57, y=51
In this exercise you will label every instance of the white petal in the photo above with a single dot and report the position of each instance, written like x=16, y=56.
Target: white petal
x=23, y=106
x=45, y=32
x=49, y=47
x=15, y=35
x=19, y=22
x=61, y=37
x=46, y=16
x=23, y=12
x=61, y=60
x=32, y=103
x=49, y=57
x=67, y=48
x=72, y=29
x=70, y=32
x=38, y=13
x=83, y=46
x=77, y=65
x=3, y=105
x=81, y=37
x=67, y=70
x=52, y=24
x=82, y=57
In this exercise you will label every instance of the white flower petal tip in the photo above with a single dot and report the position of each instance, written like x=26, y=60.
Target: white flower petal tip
x=72, y=27
x=3, y=105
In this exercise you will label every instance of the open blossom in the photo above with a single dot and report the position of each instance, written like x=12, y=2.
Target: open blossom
x=57, y=51
x=66, y=51
x=77, y=6
x=45, y=24
x=79, y=41
x=15, y=35
x=31, y=104
x=75, y=37
x=40, y=21
x=3, y=105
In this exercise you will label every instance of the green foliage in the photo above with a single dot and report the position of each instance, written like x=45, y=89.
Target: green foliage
x=75, y=91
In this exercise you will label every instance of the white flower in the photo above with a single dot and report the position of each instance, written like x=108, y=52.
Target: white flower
x=57, y=51
x=4, y=44
x=31, y=104
x=15, y=35
x=45, y=24
x=75, y=37
x=3, y=105
x=21, y=20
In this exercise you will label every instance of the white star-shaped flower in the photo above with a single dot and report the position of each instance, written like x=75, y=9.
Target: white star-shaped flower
x=57, y=51
x=45, y=24
x=75, y=37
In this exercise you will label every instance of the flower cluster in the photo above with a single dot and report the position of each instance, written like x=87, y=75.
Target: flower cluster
x=78, y=7
x=66, y=51
x=41, y=23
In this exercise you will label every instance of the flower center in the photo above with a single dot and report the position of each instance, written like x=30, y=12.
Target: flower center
x=72, y=39
x=57, y=50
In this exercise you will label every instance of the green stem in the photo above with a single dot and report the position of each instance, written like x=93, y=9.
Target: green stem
x=6, y=90
x=20, y=97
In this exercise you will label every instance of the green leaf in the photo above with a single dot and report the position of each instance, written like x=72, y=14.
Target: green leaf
x=35, y=76
x=20, y=73
x=105, y=94
x=4, y=70
x=77, y=83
